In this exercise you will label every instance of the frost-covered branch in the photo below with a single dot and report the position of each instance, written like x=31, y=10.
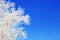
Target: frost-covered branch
x=9, y=17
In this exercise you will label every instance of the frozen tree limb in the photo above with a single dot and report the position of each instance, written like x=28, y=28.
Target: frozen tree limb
x=10, y=17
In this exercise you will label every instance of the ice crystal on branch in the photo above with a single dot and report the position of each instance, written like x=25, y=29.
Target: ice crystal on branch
x=9, y=17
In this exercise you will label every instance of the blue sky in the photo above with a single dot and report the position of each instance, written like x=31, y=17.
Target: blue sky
x=45, y=18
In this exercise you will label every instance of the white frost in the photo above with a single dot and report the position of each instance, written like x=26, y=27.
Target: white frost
x=10, y=17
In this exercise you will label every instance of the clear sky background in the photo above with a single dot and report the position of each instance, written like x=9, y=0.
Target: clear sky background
x=45, y=18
